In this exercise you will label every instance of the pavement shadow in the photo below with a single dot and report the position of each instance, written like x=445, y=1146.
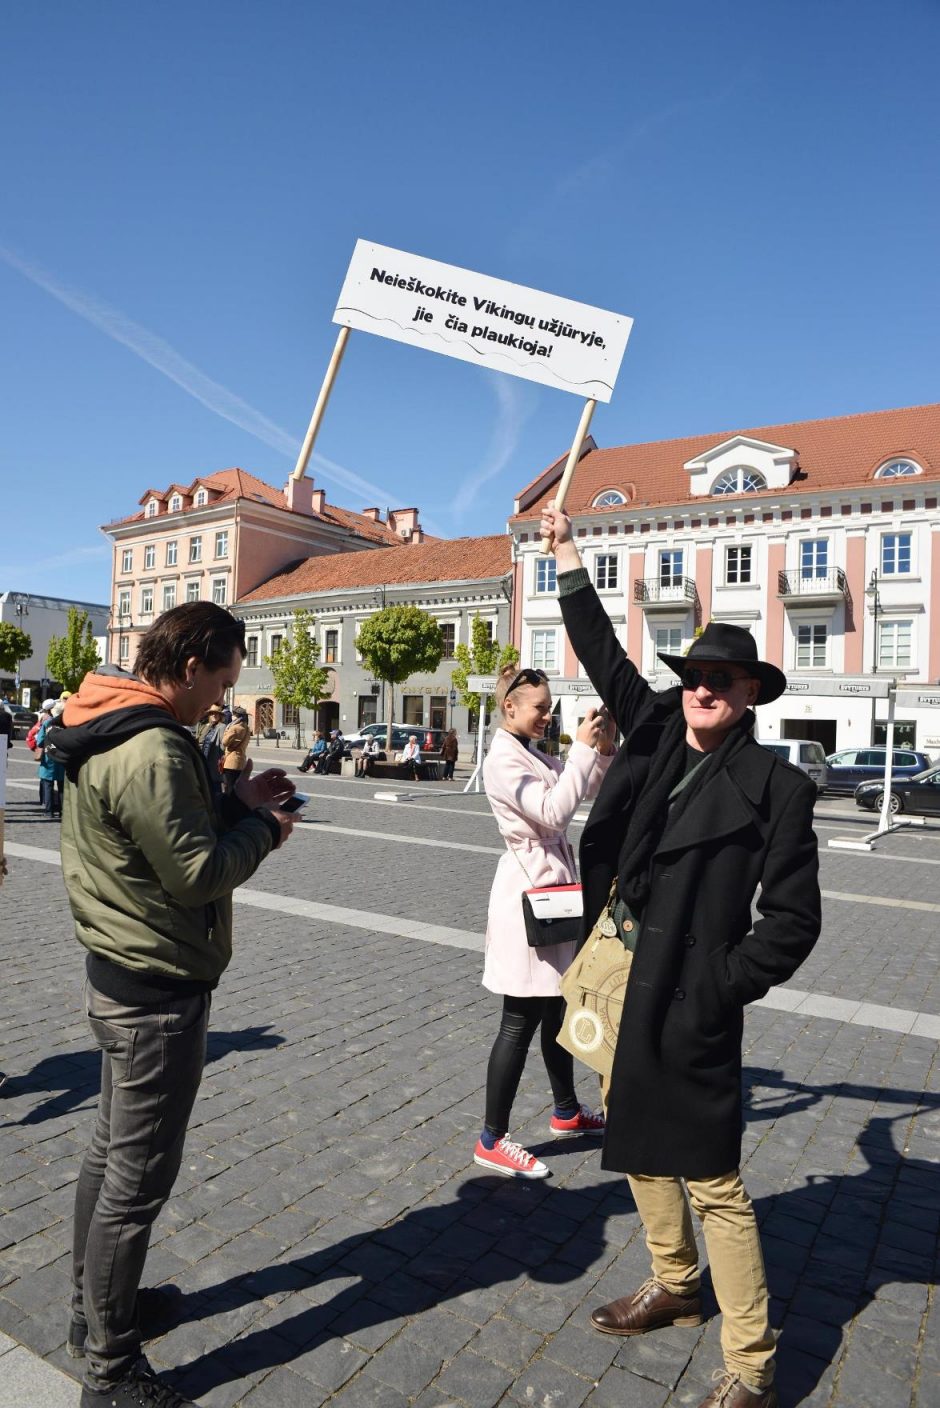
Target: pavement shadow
x=831, y=1246
x=70, y=1080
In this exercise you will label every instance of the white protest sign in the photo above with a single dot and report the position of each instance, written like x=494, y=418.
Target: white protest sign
x=488, y=322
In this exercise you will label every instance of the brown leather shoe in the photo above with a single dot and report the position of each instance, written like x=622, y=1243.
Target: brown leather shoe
x=652, y=1307
x=730, y=1392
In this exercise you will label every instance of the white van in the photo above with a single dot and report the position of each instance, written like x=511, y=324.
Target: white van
x=805, y=754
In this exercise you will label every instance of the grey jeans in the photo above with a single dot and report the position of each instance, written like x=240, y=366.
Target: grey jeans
x=152, y=1062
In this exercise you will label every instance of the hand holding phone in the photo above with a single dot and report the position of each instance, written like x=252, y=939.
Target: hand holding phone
x=294, y=803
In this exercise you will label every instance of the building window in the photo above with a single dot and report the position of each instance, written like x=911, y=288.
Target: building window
x=251, y=657
x=739, y=481
x=737, y=566
x=814, y=557
x=412, y=706
x=670, y=567
x=290, y=715
x=192, y=590
x=276, y=640
x=124, y=649
x=545, y=574
x=221, y=544
x=449, y=637
x=605, y=571
x=146, y=601
x=169, y=596
x=544, y=650
x=219, y=591
x=894, y=645
x=195, y=549
x=127, y=560
x=150, y=556
x=895, y=554
x=812, y=647
x=667, y=640
x=610, y=498
x=176, y=503
x=202, y=497
x=152, y=509
x=331, y=647
x=438, y=712
x=897, y=469
x=368, y=710
x=124, y=603
x=171, y=554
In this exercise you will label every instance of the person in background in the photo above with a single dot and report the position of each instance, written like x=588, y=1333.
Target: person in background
x=367, y=756
x=332, y=754
x=533, y=799
x=411, y=757
x=51, y=772
x=210, y=745
x=449, y=754
x=235, y=742
x=695, y=822
x=314, y=753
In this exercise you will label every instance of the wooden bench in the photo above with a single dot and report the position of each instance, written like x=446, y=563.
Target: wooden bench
x=394, y=772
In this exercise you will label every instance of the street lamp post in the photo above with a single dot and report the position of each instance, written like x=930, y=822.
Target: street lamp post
x=20, y=602
x=871, y=591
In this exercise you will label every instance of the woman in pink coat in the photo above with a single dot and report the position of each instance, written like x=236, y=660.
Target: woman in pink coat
x=533, y=799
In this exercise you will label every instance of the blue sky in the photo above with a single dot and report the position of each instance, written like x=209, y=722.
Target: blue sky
x=182, y=186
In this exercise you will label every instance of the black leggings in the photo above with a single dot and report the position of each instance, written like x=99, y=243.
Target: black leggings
x=521, y=1016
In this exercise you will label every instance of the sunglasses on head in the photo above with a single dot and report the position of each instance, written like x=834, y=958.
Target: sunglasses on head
x=718, y=681
x=535, y=677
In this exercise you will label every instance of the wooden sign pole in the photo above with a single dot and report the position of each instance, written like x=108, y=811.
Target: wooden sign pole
x=307, y=448
x=573, y=456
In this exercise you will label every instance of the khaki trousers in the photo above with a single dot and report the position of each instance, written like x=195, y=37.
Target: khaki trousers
x=734, y=1254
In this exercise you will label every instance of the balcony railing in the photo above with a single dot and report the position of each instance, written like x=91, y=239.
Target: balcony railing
x=793, y=585
x=650, y=591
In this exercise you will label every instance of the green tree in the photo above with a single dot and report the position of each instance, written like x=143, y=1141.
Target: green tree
x=298, y=679
x=72, y=656
x=15, y=645
x=481, y=657
x=398, y=642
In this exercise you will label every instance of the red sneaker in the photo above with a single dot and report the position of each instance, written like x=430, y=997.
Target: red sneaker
x=584, y=1122
x=509, y=1159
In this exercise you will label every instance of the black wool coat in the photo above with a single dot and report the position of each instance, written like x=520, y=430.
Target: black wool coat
x=675, y=1098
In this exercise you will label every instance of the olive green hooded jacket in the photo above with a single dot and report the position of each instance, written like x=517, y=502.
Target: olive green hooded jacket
x=149, y=858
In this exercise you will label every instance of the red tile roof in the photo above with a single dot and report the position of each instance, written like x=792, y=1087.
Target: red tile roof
x=839, y=453
x=232, y=484
x=437, y=560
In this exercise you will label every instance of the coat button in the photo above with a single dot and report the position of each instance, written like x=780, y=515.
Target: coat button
x=679, y=995
x=628, y=926
x=690, y=940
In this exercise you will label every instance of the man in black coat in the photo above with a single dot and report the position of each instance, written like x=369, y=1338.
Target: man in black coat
x=692, y=818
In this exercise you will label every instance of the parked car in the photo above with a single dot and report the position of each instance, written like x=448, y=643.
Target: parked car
x=400, y=735
x=919, y=794
x=850, y=766
x=804, y=753
x=23, y=719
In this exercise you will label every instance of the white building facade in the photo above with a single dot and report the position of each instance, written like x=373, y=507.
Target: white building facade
x=822, y=538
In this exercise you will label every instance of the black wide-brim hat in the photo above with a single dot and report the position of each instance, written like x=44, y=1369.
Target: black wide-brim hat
x=732, y=645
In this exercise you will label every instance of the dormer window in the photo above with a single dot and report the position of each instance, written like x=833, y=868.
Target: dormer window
x=151, y=508
x=176, y=503
x=202, y=497
x=897, y=469
x=741, y=480
x=610, y=498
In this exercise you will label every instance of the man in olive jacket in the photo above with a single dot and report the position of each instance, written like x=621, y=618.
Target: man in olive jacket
x=692, y=818
x=150, y=858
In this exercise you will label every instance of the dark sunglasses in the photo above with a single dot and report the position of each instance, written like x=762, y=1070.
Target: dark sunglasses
x=718, y=681
x=535, y=677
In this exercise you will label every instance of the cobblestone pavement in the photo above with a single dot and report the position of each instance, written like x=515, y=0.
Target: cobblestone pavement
x=335, y=1242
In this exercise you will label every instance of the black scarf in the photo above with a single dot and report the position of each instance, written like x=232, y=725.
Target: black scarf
x=652, y=811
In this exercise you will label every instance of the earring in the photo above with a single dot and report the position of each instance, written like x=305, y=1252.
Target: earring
x=191, y=685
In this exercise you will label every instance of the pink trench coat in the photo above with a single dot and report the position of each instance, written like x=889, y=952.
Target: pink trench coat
x=533, y=799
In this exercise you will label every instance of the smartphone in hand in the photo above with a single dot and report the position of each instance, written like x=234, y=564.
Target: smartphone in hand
x=294, y=804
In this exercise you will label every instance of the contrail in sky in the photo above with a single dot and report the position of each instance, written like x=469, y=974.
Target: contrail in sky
x=165, y=359
x=514, y=410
